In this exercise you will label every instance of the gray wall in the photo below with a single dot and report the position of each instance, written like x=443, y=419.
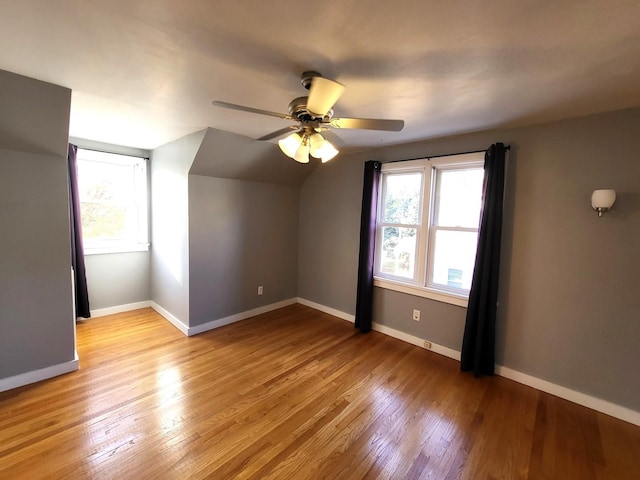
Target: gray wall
x=330, y=202
x=34, y=116
x=115, y=279
x=216, y=235
x=241, y=235
x=569, y=306
x=170, y=224
x=36, y=310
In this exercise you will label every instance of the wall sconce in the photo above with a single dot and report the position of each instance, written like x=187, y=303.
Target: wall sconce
x=603, y=200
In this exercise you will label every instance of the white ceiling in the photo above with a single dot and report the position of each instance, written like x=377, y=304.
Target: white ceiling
x=144, y=72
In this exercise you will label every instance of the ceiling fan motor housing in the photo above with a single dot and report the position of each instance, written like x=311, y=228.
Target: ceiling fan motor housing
x=307, y=77
x=298, y=110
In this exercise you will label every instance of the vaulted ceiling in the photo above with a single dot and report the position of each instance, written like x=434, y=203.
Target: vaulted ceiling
x=144, y=72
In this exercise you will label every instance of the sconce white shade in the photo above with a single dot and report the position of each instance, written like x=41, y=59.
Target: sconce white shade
x=603, y=200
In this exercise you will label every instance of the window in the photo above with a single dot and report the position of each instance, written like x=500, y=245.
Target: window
x=113, y=202
x=427, y=229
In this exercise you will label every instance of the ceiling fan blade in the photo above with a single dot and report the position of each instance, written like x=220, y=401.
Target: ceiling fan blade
x=323, y=94
x=277, y=133
x=368, y=124
x=242, y=108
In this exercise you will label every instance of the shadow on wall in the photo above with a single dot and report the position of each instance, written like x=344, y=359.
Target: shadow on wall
x=627, y=205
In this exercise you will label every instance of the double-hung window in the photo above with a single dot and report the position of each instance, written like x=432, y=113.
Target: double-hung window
x=113, y=202
x=427, y=227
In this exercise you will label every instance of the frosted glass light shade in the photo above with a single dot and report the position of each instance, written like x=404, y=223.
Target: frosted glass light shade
x=327, y=152
x=300, y=145
x=603, y=200
x=290, y=144
x=315, y=144
x=302, y=154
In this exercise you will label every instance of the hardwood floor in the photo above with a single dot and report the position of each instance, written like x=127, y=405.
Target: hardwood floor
x=292, y=394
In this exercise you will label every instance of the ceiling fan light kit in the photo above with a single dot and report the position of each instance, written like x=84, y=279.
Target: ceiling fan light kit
x=300, y=145
x=314, y=114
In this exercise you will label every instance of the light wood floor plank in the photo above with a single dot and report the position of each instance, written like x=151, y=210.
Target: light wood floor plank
x=292, y=394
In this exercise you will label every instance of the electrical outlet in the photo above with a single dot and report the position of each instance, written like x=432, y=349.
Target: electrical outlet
x=260, y=290
x=427, y=344
x=416, y=315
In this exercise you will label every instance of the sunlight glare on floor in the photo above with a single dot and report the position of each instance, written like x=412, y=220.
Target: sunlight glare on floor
x=170, y=398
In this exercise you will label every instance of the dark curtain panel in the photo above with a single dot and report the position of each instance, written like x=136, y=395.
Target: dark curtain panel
x=478, y=344
x=364, y=298
x=77, y=248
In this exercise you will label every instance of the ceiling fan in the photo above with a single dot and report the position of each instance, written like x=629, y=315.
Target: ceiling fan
x=314, y=114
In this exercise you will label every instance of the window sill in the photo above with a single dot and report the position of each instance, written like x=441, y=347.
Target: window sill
x=439, y=296
x=141, y=247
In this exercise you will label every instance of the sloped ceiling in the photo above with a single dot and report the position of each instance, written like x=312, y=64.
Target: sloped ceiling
x=229, y=155
x=144, y=72
x=37, y=123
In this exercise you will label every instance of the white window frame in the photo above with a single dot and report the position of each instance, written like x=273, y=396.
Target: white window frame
x=380, y=225
x=422, y=283
x=139, y=242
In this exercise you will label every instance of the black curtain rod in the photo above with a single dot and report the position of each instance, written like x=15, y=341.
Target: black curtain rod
x=429, y=157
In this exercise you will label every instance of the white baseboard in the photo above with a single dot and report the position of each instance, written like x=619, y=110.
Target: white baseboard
x=173, y=320
x=204, y=327
x=392, y=332
x=39, y=375
x=574, y=396
x=417, y=341
x=329, y=310
x=101, y=312
x=238, y=317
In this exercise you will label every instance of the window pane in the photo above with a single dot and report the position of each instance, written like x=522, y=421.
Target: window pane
x=454, y=258
x=105, y=195
x=459, y=197
x=113, y=200
x=398, y=251
x=402, y=198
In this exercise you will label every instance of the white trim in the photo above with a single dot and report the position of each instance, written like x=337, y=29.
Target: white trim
x=126, y=248
x=331, y=311
x=594, y=403
x=175, y=321
x=422, y=284
x=237, y=317
x=109, y=147
x=392, y=332
x=424, y=292
x=417, y=341
x=574, y=396
x=39, y=375
x=101, y=312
